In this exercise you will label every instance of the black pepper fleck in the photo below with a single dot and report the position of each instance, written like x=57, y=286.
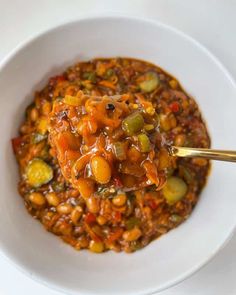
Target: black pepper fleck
x=110, y=107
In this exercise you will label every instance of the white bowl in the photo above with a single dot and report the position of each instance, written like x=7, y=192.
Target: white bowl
x=177, y=254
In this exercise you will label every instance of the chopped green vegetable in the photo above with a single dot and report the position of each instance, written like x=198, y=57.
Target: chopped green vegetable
x=135, y=245
x=156, y=117
x=88, y=86
x=186, y=174
x=109, y=73
x=175, y=218
x=132, y=222
x=119, y=150
x=38, y=173
x=149, y=127
x=133, y=123
x=169, y=171
x=58, y=186
x=144, y=143
x=174, y=190
x=91, y=76
x=188, y=141
x=150, y=82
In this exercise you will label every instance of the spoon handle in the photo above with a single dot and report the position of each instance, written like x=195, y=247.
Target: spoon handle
x=220, y=155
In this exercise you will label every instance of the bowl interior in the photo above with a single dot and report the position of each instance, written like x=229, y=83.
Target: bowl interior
x=178, y=253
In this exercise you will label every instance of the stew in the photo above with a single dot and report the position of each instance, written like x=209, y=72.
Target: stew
x=93, y=155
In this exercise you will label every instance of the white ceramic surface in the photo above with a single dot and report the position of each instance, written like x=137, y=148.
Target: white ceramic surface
x=177, y=254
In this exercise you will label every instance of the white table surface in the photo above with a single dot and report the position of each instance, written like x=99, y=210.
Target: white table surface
x=212, y=22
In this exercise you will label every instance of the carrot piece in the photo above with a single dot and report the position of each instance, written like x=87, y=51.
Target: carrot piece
x=91, y=233
x=151, y=172
x=107, y=84
x=114, y=235
x=65, y=141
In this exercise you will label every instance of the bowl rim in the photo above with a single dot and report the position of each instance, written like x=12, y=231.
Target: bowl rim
x=111, y=16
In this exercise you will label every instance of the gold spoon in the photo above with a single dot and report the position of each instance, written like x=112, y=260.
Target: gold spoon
x=221, y=155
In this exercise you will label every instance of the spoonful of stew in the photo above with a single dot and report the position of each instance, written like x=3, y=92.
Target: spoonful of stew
x=117, y=143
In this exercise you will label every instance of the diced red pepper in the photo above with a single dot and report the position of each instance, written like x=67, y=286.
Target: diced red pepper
x=152, y=204
x=90, y=218
x=60, y=78
x=117, y=216
x=117, y=181
x=174, y=106
x=16, y=143
x=56, y=79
